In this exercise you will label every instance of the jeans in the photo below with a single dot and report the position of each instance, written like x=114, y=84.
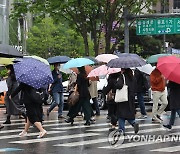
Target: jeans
x=95, y=102
x=173, y=116
x=140, y=99
x=58, y=99
x=121, y=122
x=112, y=113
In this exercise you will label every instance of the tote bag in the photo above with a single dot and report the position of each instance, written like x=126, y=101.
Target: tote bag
x=122, y=94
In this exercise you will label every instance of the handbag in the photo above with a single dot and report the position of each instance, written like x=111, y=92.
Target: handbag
x=74, y=97
x=122, y=94
x=110, y=95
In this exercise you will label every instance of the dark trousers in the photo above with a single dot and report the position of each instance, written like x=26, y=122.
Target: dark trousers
x=173, y=116
x=112, y=108
x=140, y=99
x=86, y=107
x=95, y=104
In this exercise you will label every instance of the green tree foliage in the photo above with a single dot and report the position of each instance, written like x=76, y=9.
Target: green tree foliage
x=86, y=16
x=49, y=39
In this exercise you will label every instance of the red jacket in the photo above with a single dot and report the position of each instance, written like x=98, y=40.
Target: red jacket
x=157, y=81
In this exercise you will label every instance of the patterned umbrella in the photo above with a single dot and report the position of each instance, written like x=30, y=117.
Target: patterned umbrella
x=126, y=61
x=33, y=73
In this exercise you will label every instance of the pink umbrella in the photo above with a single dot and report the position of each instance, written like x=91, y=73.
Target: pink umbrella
x=103, y=70
x=105, y=57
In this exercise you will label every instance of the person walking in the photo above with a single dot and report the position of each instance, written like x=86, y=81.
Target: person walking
x=57, y=92
x=33, y=110
x=94, y=94
x=174, y=97
x=84, y=98
x=110, y=90
x=159, y=95
x=12, y=105
x=126, y=110
x=141, y=88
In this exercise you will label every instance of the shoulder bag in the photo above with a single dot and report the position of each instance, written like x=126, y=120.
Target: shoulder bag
x=122, y=94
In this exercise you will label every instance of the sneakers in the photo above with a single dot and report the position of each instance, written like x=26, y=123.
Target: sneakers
x=7, y=122
x=156, y=120
x=61, y=116
x=142, y=117
x=1, y=126
x=22, y=134
x=168, y=127
x=136, y=128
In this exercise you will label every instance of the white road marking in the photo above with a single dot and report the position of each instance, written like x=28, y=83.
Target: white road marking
x=29, y=134
x=54, y=138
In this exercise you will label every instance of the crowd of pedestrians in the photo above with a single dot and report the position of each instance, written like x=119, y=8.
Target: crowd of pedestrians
x=78, y=81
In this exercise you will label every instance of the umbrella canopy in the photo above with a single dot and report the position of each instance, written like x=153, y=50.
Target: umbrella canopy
x=33, y=73
x=8, y=51
x=88, y=70
x=148, y=68
x=93, y=59
x=126, y=61
x=58, y=59
x=38, y=58
x=154, y=58
x=103, y=70
x=77, y=62
x=105, y=57
x=169, y=66
x=6, y=61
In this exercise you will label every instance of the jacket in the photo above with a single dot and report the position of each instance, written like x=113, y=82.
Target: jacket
x=57, y=85
x=157, y=81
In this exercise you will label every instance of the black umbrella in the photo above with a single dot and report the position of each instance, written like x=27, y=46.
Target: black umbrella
x=58, y=59
x=8, y=51
x=126, y=61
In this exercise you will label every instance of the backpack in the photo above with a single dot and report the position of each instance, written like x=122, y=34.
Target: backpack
x=38, y=95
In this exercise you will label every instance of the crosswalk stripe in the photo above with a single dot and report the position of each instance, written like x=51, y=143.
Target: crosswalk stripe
x=81, y=126
x=135, y=144
x=55, y=138
x=105, y=129
x=83, y=142
x=169, y=149
x=10, y=131
x=29, y=134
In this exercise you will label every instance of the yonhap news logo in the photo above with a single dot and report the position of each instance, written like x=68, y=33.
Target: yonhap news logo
x=117, y=138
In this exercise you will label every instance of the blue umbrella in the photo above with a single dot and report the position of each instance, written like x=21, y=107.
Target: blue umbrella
x=77, y=62
x=58, y=59
x=126, y=61
x=33, y=73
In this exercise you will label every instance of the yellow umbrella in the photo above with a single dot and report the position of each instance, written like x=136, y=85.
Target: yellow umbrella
x=6, y=61
x=38, y=58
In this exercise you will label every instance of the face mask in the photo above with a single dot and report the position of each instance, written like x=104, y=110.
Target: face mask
x=59, y=67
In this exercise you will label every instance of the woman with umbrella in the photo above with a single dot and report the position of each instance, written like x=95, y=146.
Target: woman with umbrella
x=84, y=98
x=33, y=110
x=126, y=110
x=12, y=105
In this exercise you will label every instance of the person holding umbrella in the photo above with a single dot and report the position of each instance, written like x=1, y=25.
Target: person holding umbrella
x=174, y=96
x=56, y=89
x=84, y=98
x=158, y=84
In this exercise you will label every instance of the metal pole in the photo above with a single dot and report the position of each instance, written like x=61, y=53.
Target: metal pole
x=5, y=24
x=126, y=31
x=164, y=35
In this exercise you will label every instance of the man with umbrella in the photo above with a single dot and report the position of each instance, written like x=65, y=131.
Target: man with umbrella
x=57, y=91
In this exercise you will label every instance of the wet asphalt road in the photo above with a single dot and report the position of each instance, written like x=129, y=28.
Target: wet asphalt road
x=79, y=139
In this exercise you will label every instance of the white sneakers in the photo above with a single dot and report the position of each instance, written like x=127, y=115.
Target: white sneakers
x=22, y=134
x=42, y=134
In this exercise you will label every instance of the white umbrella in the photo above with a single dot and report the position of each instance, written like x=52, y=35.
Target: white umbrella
x=148, y=68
